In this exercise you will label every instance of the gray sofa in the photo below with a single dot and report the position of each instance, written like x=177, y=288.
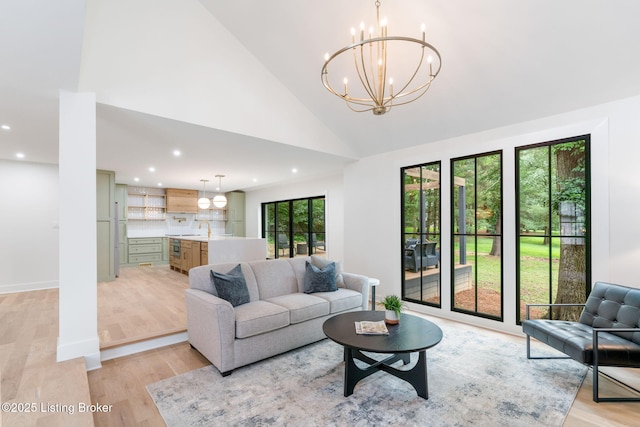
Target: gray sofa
x=278, y=317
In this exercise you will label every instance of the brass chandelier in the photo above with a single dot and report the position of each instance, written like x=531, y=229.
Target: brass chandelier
x=371, y=56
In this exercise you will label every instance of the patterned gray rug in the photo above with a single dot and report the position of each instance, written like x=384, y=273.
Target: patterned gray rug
x=476, y=378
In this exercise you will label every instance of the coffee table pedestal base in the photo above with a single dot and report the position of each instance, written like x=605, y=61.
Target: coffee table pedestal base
x=416, y=376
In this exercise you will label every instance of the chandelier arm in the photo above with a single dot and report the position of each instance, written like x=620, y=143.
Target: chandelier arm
x=418, y=89
x=425, y=89
x=401, y=92
x=382, y=74
x=362, y=66
x=358, y=111
x=374, y=75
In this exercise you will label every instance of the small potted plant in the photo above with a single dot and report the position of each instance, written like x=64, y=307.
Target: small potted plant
x=393, y=306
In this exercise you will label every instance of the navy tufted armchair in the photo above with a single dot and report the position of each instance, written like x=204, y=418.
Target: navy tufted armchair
x=607, y=333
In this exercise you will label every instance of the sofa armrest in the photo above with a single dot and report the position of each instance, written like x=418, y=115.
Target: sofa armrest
x=211, y=326
x=359, y=283
x=550, y=305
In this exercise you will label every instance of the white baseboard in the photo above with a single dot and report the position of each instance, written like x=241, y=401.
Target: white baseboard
x=139, y=347
x=25, y=287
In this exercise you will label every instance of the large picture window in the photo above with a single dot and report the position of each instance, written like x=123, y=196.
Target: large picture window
x=553, y=248
x=294, y=227
x=476, y=270
x=421, y=234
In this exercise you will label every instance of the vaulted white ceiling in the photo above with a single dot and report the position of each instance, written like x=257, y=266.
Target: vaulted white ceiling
x=235, y=85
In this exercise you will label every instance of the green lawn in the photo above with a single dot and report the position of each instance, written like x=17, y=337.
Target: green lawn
x=534, y=266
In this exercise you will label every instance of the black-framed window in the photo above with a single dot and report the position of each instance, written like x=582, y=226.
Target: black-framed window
x=294, y=227
x=476, y=235
x=553, y=249
x=420, y=243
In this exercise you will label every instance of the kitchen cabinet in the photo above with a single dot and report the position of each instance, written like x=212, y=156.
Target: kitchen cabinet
x=122, y=211
x=175, y=257
x=145, y=250
x=204, y=253
x=182, y=201
x=165, y=250
x=190, y=255
x=184, y=254
x=235, y=214
x=105, y=225
x=147, y=204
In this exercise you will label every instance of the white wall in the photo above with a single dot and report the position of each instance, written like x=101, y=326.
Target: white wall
x=372, y=200
x=175, y=59
x=28, y=226
x=330, y=187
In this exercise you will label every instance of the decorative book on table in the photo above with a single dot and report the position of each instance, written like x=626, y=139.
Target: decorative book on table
x=371, y=328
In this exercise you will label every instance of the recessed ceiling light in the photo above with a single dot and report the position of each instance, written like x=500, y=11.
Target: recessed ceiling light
x=177, y=153
x=255, y=179
x=20, y=155
x=294, y=170
x=5, y=127
x=152, y=169
x=159, y=184
x=136, y=179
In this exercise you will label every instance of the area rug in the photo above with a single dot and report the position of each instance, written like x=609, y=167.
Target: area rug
x=475, y=378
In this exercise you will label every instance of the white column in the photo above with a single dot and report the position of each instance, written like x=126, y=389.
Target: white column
x=78, y=306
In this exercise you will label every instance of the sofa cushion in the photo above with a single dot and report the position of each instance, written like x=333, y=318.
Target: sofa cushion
x=320, y=280
x=302, y=306
x=274, y=278
x=258, y=317
x=231, y=286
x=322, y=262
x=343, y=299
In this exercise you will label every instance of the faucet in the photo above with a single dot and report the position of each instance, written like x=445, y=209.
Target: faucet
x=208, y=228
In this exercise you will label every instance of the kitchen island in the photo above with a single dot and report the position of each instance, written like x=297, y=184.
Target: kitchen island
x=188, y=251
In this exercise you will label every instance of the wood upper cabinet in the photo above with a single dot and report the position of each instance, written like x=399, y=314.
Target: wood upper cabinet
x=182, y=201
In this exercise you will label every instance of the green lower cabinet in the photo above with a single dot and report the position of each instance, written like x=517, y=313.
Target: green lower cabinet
x=145, y=250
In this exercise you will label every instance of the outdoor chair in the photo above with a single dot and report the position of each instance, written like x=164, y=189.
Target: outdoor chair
x=283, y=242
x=315, y=243
x=411, y=243
x=422, y=256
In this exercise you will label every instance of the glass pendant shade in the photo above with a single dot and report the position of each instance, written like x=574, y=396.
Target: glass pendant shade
x=204, y=203
x=220, y=201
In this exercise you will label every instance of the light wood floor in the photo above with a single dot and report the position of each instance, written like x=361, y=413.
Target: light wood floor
x=142, y=303
x=28, y=371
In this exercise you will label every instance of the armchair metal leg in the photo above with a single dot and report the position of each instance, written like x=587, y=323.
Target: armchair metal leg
x=529, y=356
x=596, y=374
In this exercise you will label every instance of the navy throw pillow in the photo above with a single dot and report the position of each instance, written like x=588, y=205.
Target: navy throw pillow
x=231, y=286
x=320, y=280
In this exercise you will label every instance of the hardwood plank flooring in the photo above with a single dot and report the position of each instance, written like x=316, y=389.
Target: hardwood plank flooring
x=29, y=373
x=142, y=303
x=121, y=382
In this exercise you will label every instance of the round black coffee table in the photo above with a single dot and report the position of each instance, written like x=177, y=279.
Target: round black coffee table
x=413, y=334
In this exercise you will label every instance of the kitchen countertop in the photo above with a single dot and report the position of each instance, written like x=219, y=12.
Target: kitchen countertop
x=199, y=238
